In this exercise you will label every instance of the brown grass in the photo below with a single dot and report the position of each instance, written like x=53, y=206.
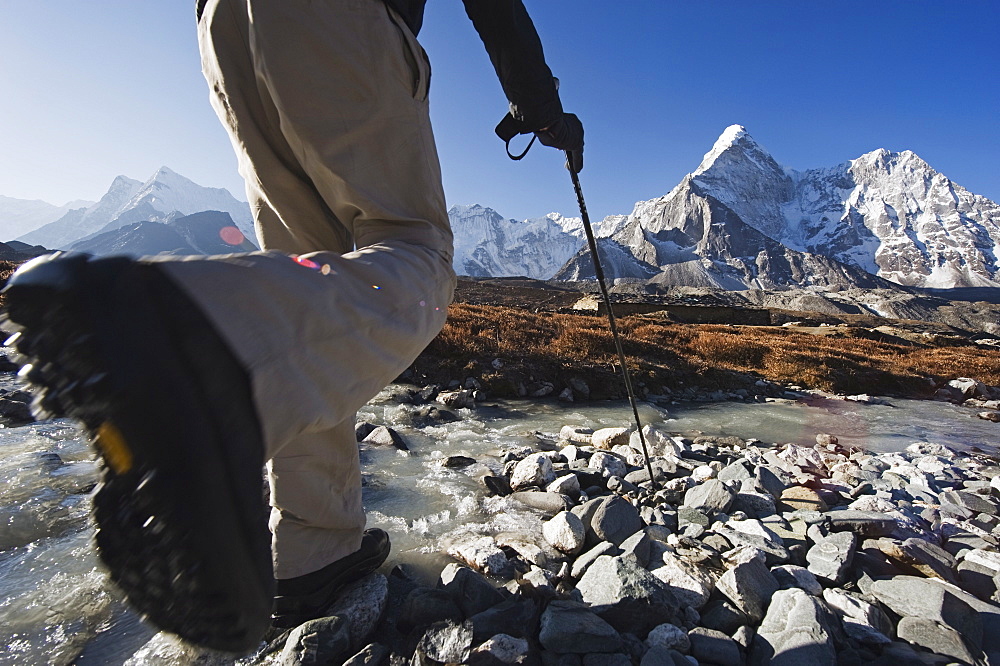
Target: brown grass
x=554, y=347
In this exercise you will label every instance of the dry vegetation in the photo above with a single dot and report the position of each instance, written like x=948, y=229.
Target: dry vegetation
x=555, y=347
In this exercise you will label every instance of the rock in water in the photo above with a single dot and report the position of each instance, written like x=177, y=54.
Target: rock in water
x=385, y=436
x=470, y=589
x=534, y=470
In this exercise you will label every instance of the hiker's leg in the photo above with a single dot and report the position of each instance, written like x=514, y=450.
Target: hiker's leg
x=320, y=342
x=316, y=493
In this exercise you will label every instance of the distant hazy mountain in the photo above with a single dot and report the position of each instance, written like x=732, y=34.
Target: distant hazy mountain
x=741, y=220
x=207, y=232
x=20, y=216
x=165, y=195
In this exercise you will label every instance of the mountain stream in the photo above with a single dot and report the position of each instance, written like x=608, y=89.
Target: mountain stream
x=56, y=606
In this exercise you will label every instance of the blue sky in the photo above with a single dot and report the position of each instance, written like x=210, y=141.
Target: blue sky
x=106, y=87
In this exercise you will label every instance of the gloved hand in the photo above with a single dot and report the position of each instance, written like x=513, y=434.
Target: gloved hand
x=566, y=133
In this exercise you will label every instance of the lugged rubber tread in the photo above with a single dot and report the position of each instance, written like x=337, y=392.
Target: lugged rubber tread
x=182, y=529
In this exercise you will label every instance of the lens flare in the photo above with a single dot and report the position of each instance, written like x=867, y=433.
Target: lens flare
x=308, y=263
x=231, y=235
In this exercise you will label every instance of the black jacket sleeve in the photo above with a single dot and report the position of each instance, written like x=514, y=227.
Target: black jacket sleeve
x=516, y=52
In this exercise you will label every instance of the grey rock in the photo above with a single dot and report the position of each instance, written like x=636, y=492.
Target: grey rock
x=938, y=639
x=713, y=647
x=723, y=616
x=971, y=501
x=755, y=505
x=668, y=636
x=615, y=520
x=929, y=559
x=424, y=606
x=568, y=627
x=533, y=470
x=364, y=602
x=764, y=540
x=502, y=649
x=691, y=584
x=565, y=531
x=321, y=641
x=372, y=654
x=472, y=592
x=362, y=429
x=658, y=656
x=548, y=503
x=626, y=595
x=687, y=516
x=613, y=659
x=736, y=471
x=791, y=575
x=770, y=481
x=862, y=621
x=608, y=438
x=447, y=641
x=457, y=462
x=711, y=496
x=862, y=523
x=385, y=436
x=749, y=586
x=796, y=630
x=481, y=554
x=831, y=557
x=586, y=559
x=977, y=579
x=909, y=596
x=639, y=545
x=608, y=464
x=568, y=484
x=517, y=616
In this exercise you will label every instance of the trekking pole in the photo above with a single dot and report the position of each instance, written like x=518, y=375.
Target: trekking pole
x=599, y=272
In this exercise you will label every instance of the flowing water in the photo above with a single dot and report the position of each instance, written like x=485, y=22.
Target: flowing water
x=56, y=606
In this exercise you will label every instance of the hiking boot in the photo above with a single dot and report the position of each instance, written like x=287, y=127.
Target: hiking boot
x=304, y=598
x=181, y=519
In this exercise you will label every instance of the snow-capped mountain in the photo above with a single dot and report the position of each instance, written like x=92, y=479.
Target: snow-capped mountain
x=742, y=220
x=163, y=196
x=888, y=213
x=487, y=245
x=19, y=216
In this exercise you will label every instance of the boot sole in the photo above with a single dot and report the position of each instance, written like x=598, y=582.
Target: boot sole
x=180, y=527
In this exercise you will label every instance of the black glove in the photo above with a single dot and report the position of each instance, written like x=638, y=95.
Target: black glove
x=566, y=133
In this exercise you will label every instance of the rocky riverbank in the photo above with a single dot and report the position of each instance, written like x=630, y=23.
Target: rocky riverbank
x=738, y=552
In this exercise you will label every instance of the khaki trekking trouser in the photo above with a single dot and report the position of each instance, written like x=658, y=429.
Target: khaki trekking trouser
x=326, y=106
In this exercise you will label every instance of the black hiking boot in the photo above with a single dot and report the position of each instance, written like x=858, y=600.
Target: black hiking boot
x=181, y=520
x=306, y=597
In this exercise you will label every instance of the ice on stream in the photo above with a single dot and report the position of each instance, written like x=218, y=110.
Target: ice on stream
x=56, y=606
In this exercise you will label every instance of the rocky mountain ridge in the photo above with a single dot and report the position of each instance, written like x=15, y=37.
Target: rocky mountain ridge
x=741, y=220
